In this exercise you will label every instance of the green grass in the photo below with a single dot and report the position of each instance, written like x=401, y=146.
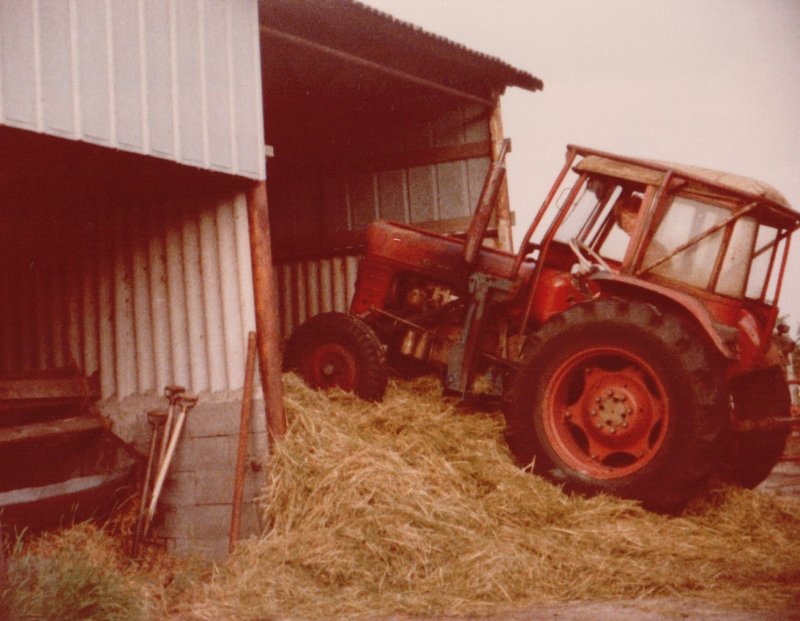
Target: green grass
x=73, y=576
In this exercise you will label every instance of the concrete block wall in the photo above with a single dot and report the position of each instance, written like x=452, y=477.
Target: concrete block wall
x=194, y=512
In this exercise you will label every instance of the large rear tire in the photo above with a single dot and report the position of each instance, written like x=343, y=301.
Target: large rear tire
x=618, y=397
x=337, y=350
x=753, y=454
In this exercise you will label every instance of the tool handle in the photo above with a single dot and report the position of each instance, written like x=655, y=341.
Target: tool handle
x=173, y=391
x=155, y=418
x=187, y=401
x=162, y=473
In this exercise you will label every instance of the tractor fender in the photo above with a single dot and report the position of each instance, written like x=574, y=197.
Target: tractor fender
x=723, y=338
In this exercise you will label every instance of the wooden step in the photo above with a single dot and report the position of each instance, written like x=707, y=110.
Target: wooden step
x=52, y=429
x=45, y=389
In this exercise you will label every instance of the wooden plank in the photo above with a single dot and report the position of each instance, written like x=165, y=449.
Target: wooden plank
x=395, y=160
x=503, y=209
x=50, y=429
x=422, y=157
x=40, y=391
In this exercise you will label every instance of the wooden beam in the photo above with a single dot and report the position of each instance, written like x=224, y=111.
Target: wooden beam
x=3, y=577
x=505, y=239
x=345, y=163
x=24, y=392
x=423, y=157
x=363, y=62
x=266, y=303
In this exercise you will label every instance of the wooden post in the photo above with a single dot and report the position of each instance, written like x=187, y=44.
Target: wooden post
x=503, y=211
x=3, y=578
x=268, y=334
x=244, y=436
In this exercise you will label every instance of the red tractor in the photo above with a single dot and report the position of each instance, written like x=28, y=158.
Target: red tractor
x=634, y=338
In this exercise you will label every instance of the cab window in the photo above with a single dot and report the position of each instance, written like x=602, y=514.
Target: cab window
x=686, y=219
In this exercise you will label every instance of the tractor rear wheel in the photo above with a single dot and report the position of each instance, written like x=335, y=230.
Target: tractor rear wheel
x=753, y=454
x=338, y=350
x=617, y=397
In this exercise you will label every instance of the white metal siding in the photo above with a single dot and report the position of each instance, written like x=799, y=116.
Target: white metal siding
x=176, y=79
x=307, y=288
x=156, y=295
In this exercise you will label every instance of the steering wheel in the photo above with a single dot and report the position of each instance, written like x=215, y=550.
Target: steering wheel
x=581, y=251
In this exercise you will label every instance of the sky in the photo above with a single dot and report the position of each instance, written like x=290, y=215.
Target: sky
x=713, y=83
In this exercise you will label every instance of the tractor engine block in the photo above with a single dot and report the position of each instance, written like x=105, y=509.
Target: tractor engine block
x=421, y=302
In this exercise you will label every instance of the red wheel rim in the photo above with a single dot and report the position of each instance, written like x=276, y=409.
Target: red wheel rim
x=606, y=412
x=330, y=365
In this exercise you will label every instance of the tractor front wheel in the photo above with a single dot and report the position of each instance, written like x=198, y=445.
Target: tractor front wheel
x=618, y=397
x=337, y=350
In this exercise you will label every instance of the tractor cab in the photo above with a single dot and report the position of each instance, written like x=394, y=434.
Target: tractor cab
x=714, y=243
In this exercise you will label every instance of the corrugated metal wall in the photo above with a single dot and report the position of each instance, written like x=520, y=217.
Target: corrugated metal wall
x=175, y=79
x=413, y=193
x=307, y=288
x=149, y=295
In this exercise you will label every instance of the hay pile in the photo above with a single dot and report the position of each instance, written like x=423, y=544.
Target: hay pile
x=414, y=506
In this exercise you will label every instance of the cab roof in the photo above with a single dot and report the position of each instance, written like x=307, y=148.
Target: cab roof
x=653, y=172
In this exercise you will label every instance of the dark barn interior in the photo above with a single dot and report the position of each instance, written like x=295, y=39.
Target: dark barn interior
x=369, y=118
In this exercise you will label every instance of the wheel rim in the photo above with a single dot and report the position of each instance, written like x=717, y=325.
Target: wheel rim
x=330, y=365
x=606, y=412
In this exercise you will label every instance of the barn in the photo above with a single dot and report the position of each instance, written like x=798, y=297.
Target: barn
x=176, y=174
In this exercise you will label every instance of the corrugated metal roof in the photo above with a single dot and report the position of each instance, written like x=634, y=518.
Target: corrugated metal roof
x=361, y=30
x=506, y=72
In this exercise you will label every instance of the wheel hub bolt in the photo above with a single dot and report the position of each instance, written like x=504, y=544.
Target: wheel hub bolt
x=328, y=369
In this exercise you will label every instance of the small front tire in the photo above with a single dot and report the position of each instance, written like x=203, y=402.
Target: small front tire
x=338, y=350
